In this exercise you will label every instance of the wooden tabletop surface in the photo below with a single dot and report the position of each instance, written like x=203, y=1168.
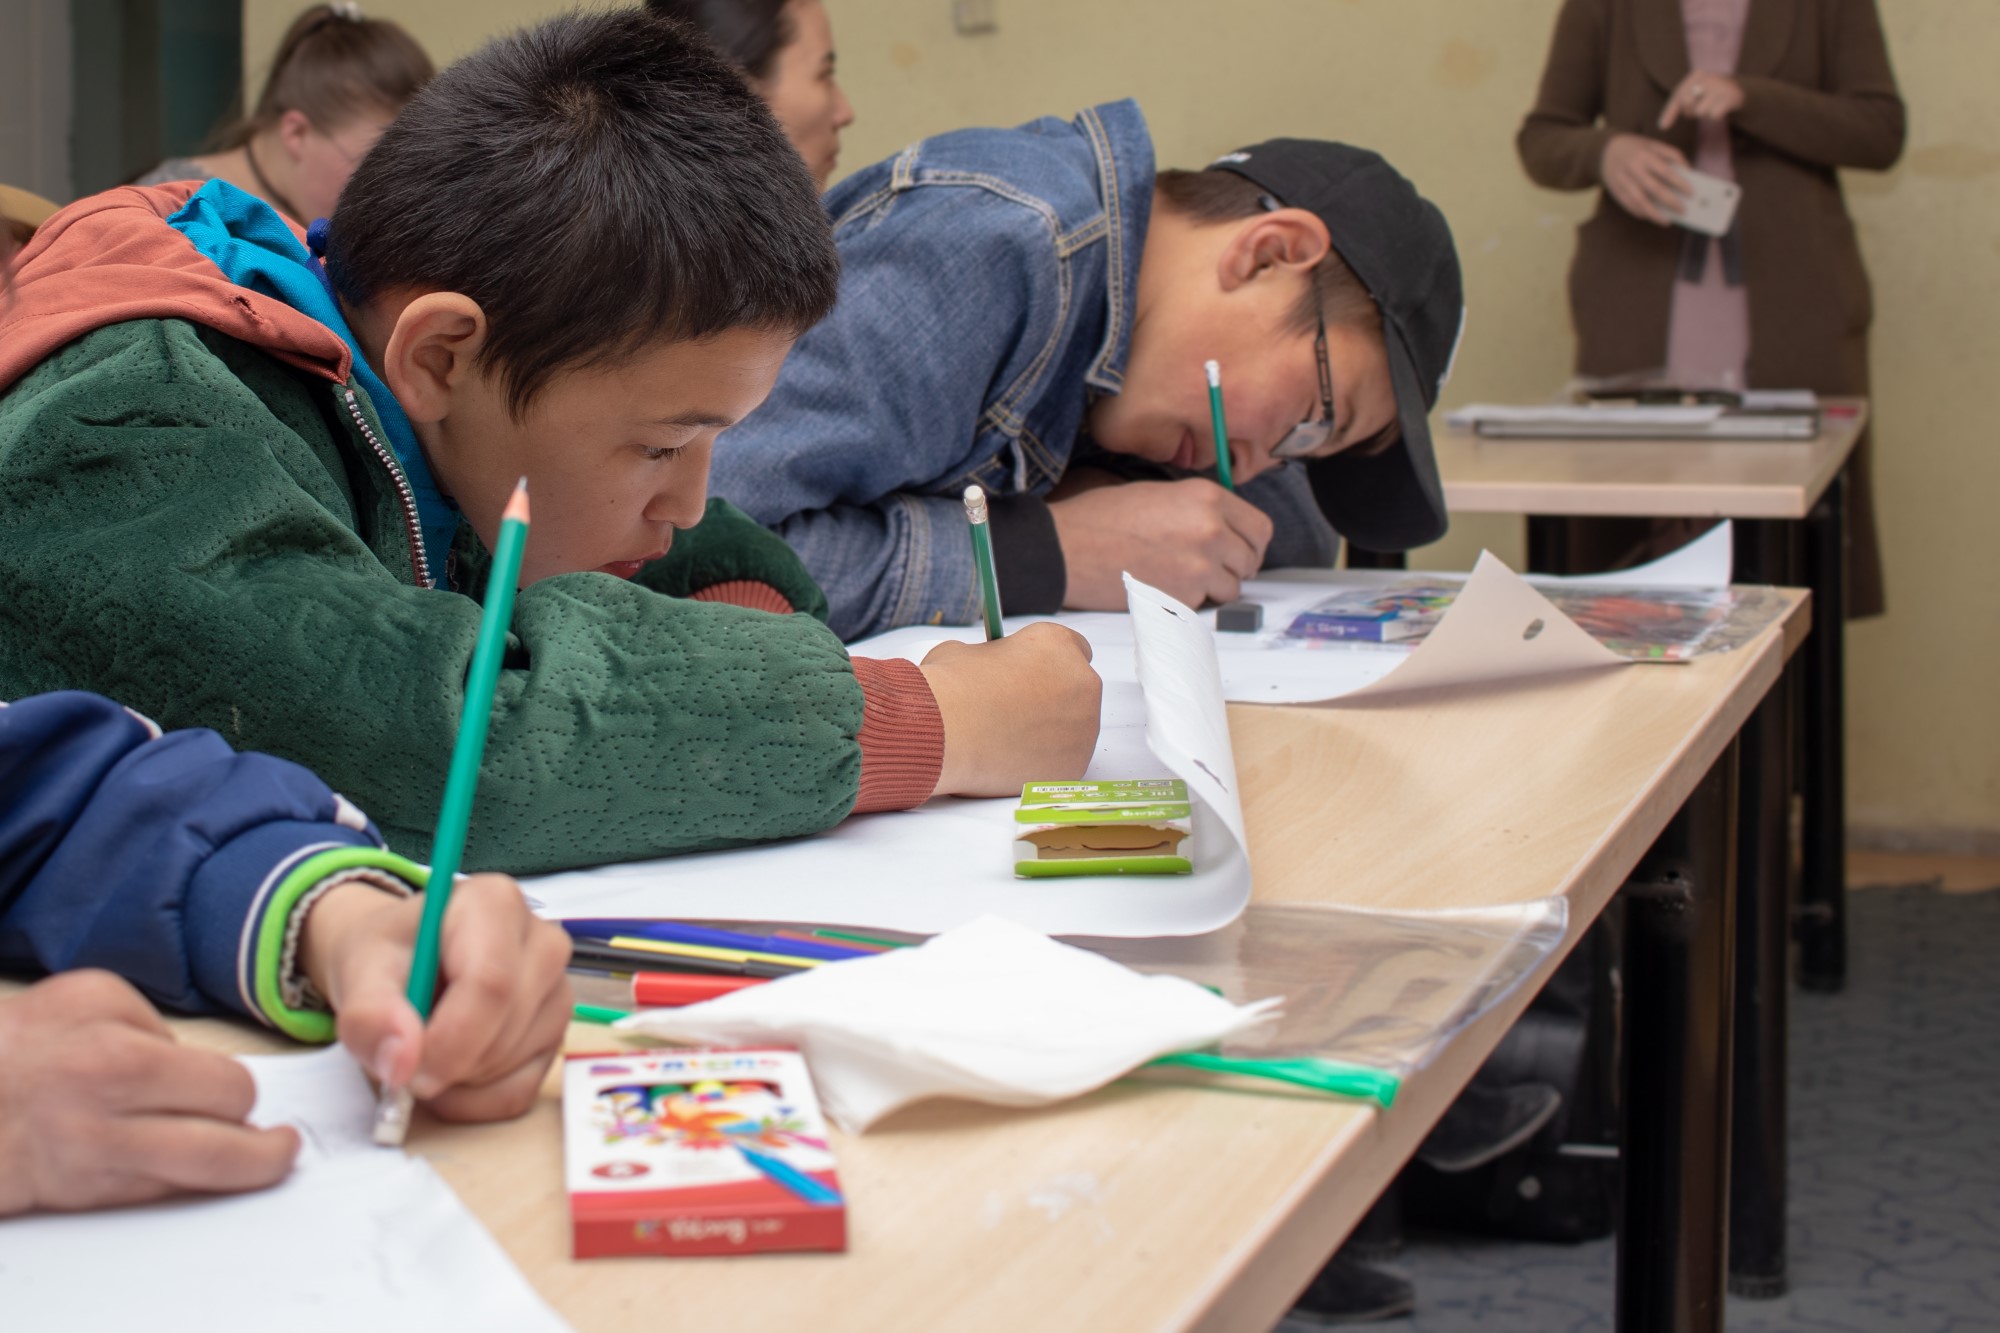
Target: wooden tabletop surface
x=1152, y=1205
x=1647, y=478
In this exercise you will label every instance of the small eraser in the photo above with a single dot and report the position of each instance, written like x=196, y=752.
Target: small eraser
x=1240, y=618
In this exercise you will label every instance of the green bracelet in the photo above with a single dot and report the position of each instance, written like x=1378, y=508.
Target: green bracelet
x=307, y=1024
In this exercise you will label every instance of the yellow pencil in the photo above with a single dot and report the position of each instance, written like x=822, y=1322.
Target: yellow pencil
x=709, y=951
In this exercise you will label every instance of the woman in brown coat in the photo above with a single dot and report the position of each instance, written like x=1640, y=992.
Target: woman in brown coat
x=1777, y=94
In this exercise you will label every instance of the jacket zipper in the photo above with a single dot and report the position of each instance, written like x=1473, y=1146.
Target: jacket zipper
x=419, y=559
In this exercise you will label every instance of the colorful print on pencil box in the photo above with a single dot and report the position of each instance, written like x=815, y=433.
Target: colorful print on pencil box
x=705, y=1115
x=697, y=1152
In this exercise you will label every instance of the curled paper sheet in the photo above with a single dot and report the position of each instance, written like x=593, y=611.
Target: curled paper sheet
x=988, y=1012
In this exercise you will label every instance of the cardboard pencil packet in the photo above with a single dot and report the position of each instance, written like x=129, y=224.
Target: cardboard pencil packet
x=1128, y=827
x=697, y=1152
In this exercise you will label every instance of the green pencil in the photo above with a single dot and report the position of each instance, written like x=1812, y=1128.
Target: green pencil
x=982, y=558
x=1222, y=473
x=392, y=1113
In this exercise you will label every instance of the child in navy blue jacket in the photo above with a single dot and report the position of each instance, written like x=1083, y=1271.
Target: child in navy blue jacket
x=218, y=882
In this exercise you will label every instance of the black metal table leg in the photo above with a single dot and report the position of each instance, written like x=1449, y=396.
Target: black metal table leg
x=1757, y=1184
x=1823, y=751
x=1679, y=988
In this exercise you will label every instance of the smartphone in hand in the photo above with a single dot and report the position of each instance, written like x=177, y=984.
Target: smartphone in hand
x=1709, y=206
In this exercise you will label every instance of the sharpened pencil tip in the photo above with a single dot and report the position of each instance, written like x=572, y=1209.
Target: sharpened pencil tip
x=517, y=504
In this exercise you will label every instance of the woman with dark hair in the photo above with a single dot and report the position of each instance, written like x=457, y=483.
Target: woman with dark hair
x=785, y=50
x=336, y=82
x=1778, y=95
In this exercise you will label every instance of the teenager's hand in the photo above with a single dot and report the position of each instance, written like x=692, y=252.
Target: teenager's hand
x=99, y=1106
x=1643, y=175
x=1019, y=709
x=1703, y=95
x=503, y=998
x=1191, y=539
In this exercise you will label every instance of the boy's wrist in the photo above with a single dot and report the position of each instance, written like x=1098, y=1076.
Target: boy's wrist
x=341, y=911
x=301, y=939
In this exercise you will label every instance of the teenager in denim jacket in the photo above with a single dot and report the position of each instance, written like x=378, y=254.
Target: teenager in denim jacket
x=1029, y=309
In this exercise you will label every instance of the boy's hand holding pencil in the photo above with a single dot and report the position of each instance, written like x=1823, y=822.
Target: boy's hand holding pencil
x=503, y=999
x=1020, y=709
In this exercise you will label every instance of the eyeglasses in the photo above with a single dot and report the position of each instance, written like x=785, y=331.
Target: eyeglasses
x=1310, y=436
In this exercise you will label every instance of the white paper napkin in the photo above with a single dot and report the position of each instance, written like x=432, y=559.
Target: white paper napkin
x=990, y=1011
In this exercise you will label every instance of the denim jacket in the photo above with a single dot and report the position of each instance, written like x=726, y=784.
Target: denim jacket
x=988, y=284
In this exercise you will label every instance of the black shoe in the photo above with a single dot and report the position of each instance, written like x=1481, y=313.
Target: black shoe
x=1347, y=1292
x=1485, y=1123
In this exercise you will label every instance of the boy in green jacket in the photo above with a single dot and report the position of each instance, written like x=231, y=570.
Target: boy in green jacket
x=246, y=490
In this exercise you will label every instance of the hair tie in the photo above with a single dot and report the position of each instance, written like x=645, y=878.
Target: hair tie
x=346, y=9
x=316, y=238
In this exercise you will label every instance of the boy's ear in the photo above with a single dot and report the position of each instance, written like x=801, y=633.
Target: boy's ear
x=1287, y=239
x=429, y=358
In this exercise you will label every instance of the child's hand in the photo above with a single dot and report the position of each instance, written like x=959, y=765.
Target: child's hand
x=1191, y=539
x=503, y=998
x=1020, y=709
x=100, y=1107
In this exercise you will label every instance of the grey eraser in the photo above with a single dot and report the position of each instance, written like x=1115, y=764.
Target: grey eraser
x=1240, y=618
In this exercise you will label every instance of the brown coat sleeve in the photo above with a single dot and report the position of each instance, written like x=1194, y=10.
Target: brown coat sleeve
x=1856, y=120
x=1561, y=143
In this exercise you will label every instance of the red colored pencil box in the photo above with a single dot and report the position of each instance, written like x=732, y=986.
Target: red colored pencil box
x=697, y=1152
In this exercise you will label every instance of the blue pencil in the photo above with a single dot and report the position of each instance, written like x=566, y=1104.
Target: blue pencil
x=674, y=932
x=793, y=1179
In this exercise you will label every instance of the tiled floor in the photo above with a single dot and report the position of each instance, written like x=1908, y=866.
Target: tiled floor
x=1895, y=1176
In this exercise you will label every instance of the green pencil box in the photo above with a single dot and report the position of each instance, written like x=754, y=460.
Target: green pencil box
x=1129, y=827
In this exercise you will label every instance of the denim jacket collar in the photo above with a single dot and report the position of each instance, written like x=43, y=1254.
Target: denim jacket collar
x=1124, y=151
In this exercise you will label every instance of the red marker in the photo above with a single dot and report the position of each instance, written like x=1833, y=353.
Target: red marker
x=670, y=990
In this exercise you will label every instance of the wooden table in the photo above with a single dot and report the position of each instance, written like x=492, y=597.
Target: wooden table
x=1154, y=1206
x=1648, y=478
x=1789, y=503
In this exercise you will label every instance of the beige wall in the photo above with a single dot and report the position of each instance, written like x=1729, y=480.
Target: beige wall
x=1439, y=86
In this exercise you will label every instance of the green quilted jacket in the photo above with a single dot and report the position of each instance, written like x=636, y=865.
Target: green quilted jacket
x=201, y=530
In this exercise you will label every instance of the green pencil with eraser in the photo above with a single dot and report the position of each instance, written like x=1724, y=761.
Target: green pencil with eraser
x=982, y=559
x=392, y=1112
x=1222, y=473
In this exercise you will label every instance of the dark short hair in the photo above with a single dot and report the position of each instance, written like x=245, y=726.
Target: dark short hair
x=598, y=183
x=749, y=33
x=1224, y=196
x=333, y=65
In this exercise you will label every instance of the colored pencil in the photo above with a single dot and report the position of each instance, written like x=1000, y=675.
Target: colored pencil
x=593, y=953
x=855, y=949
x=676, y=932
x=982, y=560
x=879, y=943
x=791, y=1178
x=1222, y=473
x=676, y=950
x=392, y=1112
x=667, y=990
x=597, y=1013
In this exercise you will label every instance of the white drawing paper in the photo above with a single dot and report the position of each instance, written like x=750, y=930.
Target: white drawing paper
x=357, y=1237
x=952, y=861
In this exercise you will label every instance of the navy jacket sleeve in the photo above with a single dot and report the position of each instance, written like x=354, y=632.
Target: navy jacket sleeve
x=149, y=855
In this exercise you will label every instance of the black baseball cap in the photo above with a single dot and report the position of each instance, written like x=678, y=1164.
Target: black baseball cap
x=1398, y=245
